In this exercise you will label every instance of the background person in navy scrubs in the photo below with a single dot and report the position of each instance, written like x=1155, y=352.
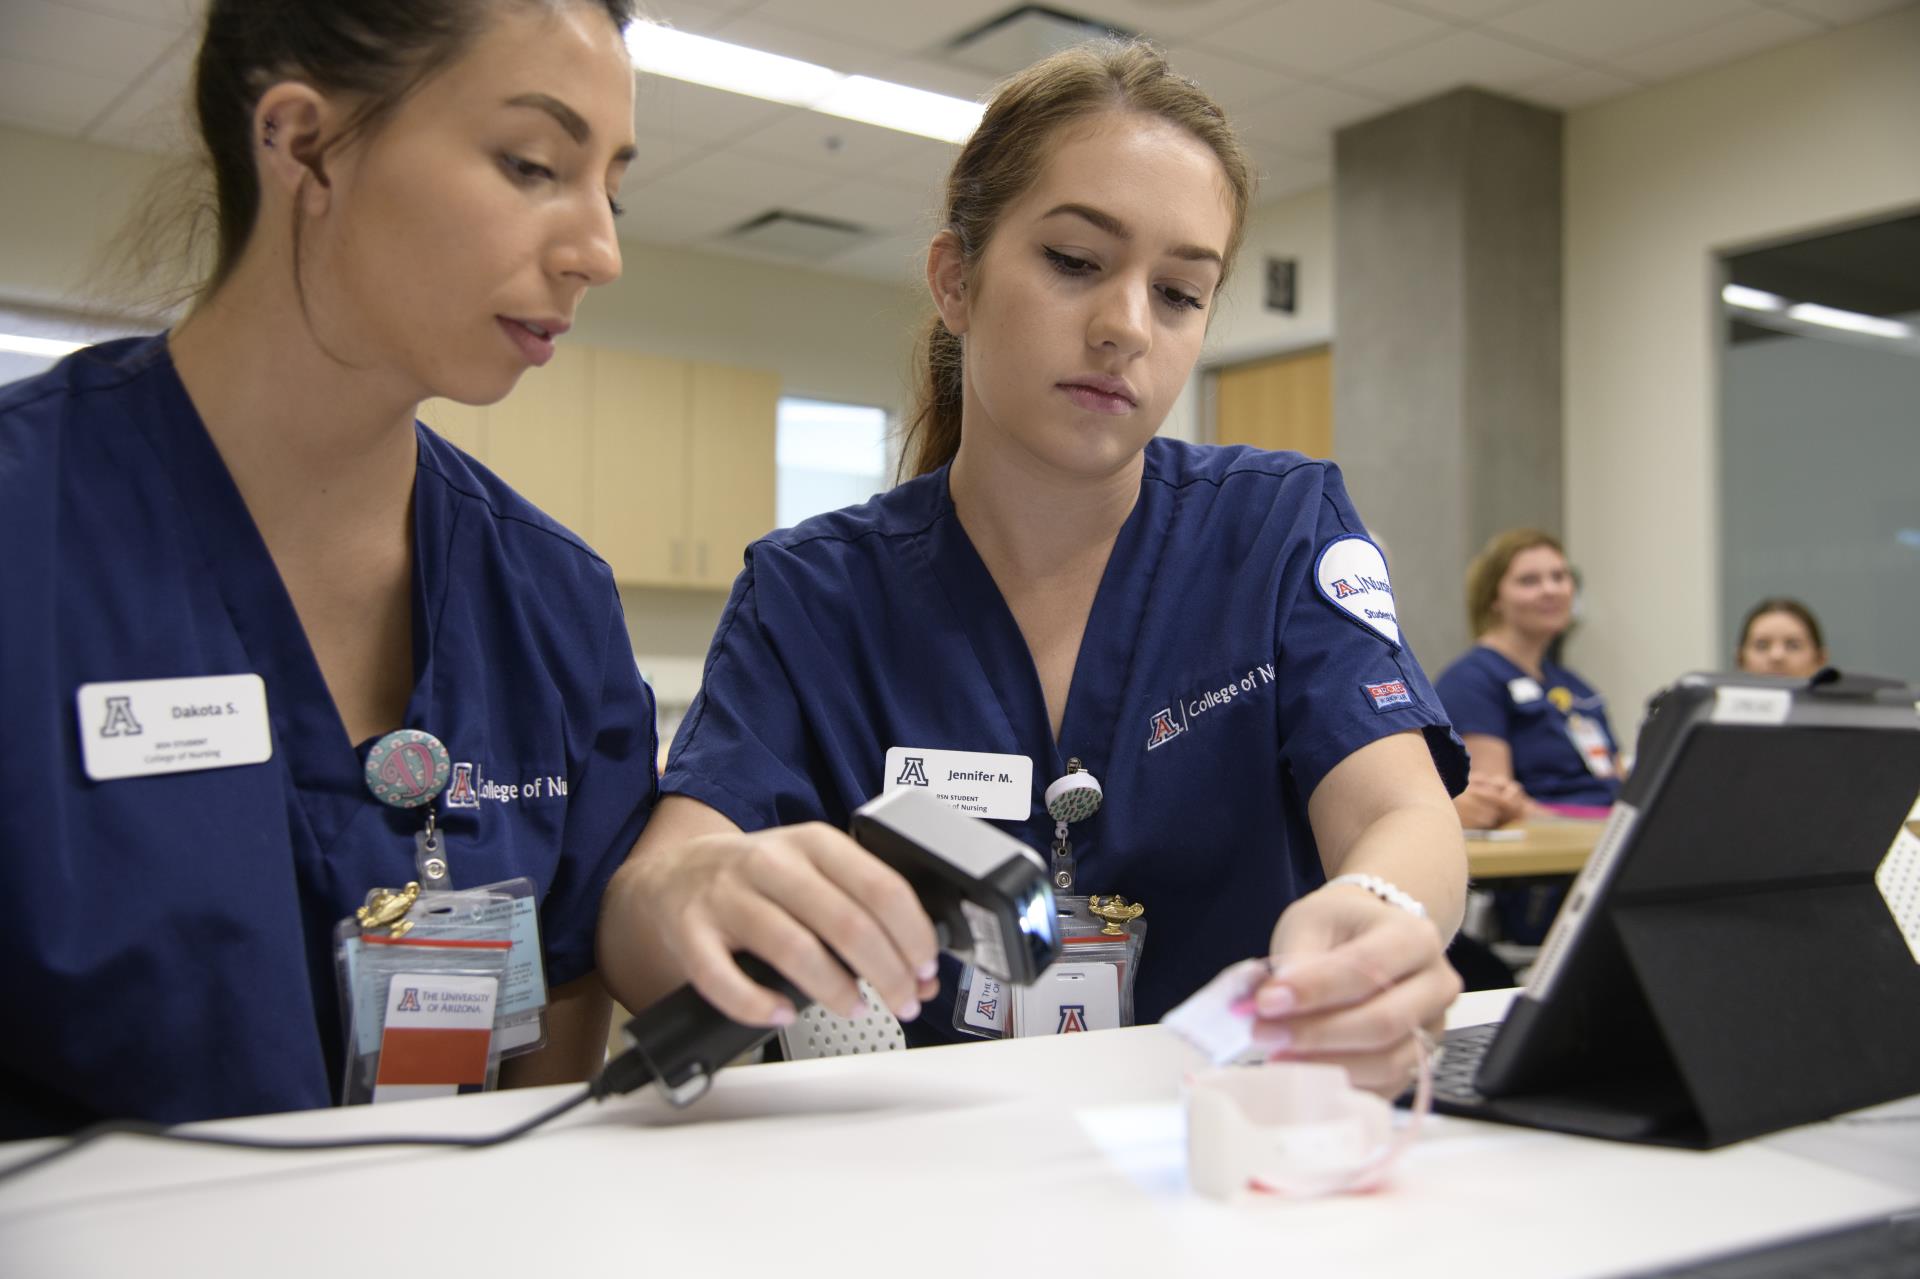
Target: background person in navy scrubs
x=1209, y=630
x=413, y=196
x=1527, y=719
x=1781, y=636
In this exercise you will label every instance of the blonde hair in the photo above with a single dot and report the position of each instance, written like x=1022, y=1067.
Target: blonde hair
x=1491, y=564
x=1004, y=157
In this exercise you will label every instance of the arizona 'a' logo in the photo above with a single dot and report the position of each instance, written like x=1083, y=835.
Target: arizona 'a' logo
x=1164, y=729
x=409, y=1000
x=460, y=794
x=120, y=720
x=987, y=1007
x=913, y=772
x=1072, y=1017
x=1343, y=588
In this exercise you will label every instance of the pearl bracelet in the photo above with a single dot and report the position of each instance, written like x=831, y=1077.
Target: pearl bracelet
x=1392, y=894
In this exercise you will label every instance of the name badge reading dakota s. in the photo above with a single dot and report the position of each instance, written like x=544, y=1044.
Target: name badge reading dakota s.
x=972, y=782
x=139, y=727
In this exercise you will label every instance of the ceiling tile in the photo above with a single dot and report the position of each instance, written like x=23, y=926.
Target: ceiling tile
x=732, y=171
x=1584, y=29
x=690, y=111
x=155, y=115
x=922, y=165
x=1234, y=84
x=1463, y=58
x=656, y=153
x=1304, y=119
x=838, y=52
x=1322, y=37
x=897, y=259
x=174, y=15
x=95, y=44
x=826, y=143
x=38, y=96
x=1461, y=10
x=1839, y=13
x=940, y=77
x=1743, y=34
x=889, y=24
x=1579, y=88
x=1166, y=22
x=698, y=16
x=880, y=206
x=663, y=213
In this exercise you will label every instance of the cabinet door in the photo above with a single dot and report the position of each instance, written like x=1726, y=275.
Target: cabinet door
x=638, y=453
x=463, y=425
x=731, y=446
x=537, y=437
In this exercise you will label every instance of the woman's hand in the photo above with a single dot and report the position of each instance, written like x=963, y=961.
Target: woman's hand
x=807, y=899
x=1490, y=802
x=1356, y=981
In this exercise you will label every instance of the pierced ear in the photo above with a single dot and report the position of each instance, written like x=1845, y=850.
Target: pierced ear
x=947, y=281
x=290, y=124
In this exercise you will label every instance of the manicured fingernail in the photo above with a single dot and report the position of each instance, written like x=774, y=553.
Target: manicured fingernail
x=928, y=970
x=856, y=1010
x=1241, y=1007
x=1276, y=1001
x=909, y=1010
x=782, y=1016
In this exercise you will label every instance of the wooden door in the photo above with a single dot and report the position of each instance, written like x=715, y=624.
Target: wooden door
x=638, y=455
x=1285, y=402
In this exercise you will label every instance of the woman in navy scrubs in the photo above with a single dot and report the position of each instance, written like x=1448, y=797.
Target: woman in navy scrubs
x=1531, y=725
x=413, y=196
x=1208, y=630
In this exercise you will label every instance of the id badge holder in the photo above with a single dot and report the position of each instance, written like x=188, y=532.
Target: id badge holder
x=1595, y=751
x=434, y=990
x=1090, y=987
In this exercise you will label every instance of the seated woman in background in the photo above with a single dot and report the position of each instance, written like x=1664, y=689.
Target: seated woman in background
x=1781, y=636
x=1526, y=719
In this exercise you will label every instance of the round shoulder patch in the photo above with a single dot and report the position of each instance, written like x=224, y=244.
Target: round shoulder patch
x=1352, y=576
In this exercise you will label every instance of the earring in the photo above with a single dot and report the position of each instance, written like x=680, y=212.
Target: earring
x=272, y=125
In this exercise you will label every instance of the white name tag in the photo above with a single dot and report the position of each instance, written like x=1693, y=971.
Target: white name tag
x=1524, y=690
x=135, y=728
x=971, y=782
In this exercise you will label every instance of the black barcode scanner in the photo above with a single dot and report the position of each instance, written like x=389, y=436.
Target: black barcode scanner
x=987, y=893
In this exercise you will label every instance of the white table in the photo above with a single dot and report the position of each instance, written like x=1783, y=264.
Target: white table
x=1016, y=1158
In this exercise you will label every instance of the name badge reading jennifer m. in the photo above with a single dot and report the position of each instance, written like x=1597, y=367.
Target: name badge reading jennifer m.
x=972, y=782
x=139, y=727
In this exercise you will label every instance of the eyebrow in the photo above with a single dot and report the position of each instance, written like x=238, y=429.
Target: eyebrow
x=1118, y=230
x=567, y=118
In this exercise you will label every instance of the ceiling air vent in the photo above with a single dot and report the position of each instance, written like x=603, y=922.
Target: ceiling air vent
x=797, y=235
x=1021, y=37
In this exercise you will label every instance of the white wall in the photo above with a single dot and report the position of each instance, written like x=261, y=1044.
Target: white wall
x=1787, y=142
x=1241, y=328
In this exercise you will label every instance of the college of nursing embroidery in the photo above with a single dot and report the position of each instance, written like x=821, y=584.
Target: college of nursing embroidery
x=1352, y=576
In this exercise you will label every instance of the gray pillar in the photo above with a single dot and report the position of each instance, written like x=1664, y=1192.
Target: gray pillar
x=1446, y=352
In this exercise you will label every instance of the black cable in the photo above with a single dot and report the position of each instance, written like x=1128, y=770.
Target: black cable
x=159, y=1132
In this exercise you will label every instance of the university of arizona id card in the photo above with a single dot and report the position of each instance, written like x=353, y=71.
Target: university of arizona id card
x=1069, y=997
x=438, y=1036
x=140, y=727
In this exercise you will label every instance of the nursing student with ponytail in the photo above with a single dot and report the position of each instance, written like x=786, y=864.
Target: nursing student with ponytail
x=236, y=565
x=1208, y=631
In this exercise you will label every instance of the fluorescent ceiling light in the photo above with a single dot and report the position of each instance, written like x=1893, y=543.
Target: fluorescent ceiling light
x=1852, y=321
x=735, y=68
x=1752, y=299
x=52, y=348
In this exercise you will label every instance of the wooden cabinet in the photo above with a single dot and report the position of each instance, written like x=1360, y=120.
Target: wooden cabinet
x=666, y=467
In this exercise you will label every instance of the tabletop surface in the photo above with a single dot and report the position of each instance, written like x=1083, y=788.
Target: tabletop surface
x=1051, y=1152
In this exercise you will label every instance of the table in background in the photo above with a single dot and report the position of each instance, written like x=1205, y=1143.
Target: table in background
x=1544, y=848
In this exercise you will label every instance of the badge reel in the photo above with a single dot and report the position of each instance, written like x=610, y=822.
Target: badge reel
x=437, y=984
x=1091, y=985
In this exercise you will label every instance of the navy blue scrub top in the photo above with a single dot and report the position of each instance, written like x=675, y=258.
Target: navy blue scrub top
x=1216, y=686
x=168, y=942
x=1484, y=692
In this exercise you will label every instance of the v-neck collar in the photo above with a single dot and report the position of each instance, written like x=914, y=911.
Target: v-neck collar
x=327, y=768
x=1108, y=645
